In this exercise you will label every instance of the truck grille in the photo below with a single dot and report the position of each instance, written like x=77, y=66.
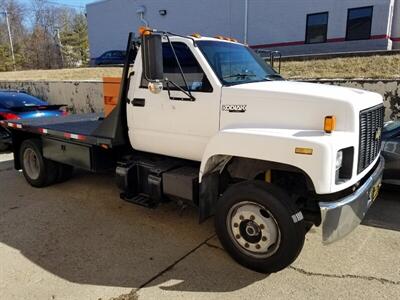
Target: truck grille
x=371, y=124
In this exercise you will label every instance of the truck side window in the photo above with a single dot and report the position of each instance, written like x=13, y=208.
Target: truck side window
x=195, y=77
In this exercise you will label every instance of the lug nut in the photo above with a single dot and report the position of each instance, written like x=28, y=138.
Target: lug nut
x=262, y=226
x=264, y=238
x=241, y=217
x=258, y=246
x=235, y=225
x=252, y=217
x=246, y=245
x=238, y=236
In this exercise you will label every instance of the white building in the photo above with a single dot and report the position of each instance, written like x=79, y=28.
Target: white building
x=291, y=26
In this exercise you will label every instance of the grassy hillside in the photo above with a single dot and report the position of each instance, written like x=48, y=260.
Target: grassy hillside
x=352, y=67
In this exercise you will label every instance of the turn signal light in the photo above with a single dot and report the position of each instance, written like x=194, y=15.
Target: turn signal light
x=143, y=30
x=329, y=124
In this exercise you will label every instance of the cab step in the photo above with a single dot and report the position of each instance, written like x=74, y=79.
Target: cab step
x=141, y=199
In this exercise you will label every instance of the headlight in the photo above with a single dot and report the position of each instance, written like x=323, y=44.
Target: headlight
x=339, y=159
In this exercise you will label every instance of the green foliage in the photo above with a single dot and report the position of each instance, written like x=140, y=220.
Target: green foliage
x=74, y=40
x=6, y=63
x=34, y=30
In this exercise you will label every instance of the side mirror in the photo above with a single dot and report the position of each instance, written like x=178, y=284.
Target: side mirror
x=152, y=57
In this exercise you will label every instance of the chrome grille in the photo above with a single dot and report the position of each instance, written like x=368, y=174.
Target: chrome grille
x=371, y=124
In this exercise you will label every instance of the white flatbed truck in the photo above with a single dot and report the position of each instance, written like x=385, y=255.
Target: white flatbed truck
x=205, y=121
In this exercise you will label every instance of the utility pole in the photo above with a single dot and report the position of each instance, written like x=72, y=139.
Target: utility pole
x=60, y=46
x=9, y=37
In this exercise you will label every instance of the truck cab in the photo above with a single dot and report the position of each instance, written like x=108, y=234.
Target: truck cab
x=205, y=121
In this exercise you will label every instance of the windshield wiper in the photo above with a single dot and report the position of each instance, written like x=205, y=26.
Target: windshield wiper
x=272, y=76
x=239, y=75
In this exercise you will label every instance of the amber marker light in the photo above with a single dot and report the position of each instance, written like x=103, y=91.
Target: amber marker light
x=143, y=30
x=329, y=124
x=305, y=151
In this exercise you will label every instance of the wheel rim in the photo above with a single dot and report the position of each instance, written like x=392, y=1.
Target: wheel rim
x=253, y=229
x=31, y=164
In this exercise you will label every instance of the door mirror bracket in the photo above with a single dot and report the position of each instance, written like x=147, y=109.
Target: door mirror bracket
x=155, y=87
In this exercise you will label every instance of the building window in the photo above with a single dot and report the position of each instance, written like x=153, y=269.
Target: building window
x=359, y=22
x=317, y=28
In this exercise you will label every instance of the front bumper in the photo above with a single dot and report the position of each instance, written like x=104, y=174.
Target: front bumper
x=341, y=217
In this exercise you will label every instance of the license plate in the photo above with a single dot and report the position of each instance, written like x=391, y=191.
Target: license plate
x=375, y=190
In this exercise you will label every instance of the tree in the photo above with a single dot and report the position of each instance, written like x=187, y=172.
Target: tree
x=74, y=39
x=16, y=15
x=45, y=36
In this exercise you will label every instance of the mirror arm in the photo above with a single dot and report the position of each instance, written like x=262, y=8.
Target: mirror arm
x=180, y=70
x=191, y=97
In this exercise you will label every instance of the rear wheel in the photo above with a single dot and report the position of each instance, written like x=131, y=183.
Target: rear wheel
x=38, y=171
x=259, y=226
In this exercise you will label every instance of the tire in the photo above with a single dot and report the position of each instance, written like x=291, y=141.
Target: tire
x=244, y=213
x=3, y=147
x=37, y=170
x=65, y=172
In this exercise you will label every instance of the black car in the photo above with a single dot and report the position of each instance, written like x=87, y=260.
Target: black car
x=391, y=152
x=113, y=57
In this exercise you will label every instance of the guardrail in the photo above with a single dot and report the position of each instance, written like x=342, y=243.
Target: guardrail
x=339, y=55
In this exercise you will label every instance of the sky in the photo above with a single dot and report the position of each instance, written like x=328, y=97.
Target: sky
x=79, y=4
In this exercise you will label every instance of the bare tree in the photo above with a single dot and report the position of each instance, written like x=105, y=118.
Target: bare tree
x=45, y=35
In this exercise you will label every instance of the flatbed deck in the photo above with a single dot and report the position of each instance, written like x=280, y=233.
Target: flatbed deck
x=80, y=127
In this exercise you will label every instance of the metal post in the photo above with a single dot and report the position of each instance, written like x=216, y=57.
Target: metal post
x=10, y=37
x=246, y=20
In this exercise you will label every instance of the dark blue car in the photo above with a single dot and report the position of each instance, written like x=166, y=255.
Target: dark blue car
x=20, y=105
x=391, y=152
x=113, y=57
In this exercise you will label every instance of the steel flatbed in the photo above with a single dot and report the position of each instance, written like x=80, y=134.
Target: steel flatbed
x=80, y=127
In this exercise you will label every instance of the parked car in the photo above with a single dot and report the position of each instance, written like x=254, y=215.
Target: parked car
x=113, y=57
x=20, y=105
x=391, y=152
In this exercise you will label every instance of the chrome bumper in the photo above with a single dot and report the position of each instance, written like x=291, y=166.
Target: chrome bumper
x=341, y=217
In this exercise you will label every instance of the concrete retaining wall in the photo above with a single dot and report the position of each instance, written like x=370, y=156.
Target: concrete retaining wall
x=87, y=96
x=80, y=96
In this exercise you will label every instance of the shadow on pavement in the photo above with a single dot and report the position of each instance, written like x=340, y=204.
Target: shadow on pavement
x=385, y=212
x=82, y=232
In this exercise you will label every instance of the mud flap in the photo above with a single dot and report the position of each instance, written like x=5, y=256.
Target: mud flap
x=209, y=191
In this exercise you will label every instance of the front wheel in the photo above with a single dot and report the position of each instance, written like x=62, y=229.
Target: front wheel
x=259, y=226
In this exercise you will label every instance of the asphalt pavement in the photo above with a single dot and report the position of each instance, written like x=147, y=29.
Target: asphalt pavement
x=78, y=240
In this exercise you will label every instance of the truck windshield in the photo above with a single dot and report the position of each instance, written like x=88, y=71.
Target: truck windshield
x=236, y=64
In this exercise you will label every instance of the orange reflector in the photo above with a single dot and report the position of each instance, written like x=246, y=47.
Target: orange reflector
x=306, y=151
x=143, y=30
x=196, y=35
x=330, y=124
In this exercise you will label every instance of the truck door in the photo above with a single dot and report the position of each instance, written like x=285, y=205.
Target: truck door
x=170, y=123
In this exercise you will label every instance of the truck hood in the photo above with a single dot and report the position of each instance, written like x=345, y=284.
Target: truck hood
x=293, y=105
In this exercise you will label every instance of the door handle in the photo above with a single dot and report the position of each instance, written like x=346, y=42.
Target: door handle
x=138, y=102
